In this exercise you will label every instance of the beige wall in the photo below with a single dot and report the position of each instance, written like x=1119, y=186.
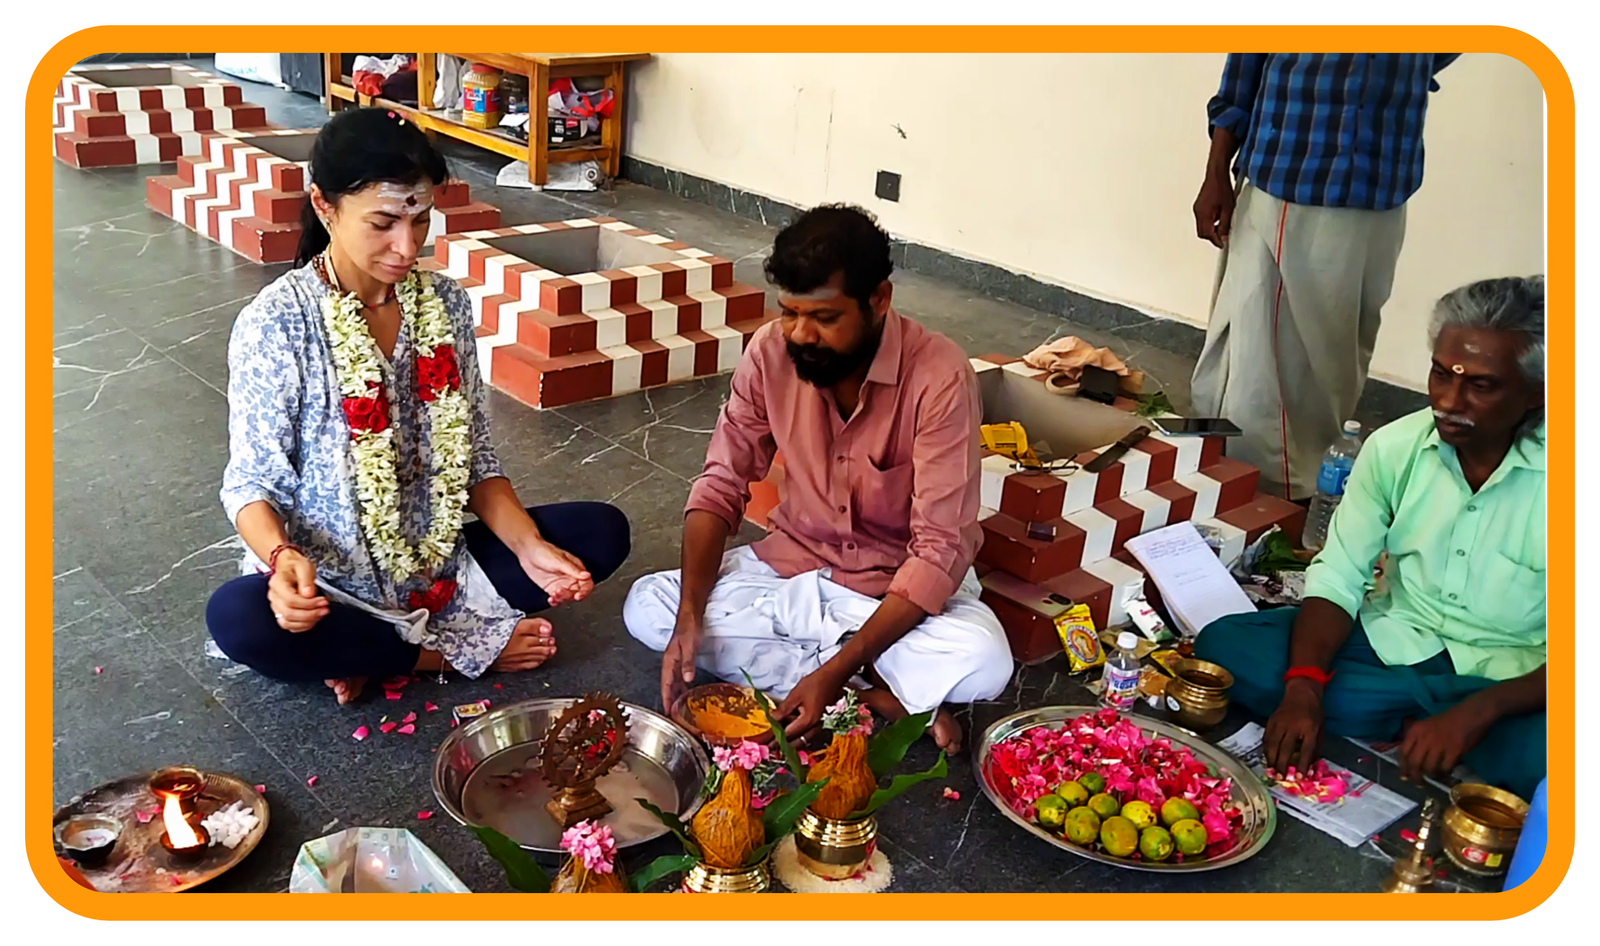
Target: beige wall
x=1089, y=180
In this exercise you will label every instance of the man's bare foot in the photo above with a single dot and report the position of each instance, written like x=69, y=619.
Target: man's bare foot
x=531, y=644
x=347, y=690
x=945, y=730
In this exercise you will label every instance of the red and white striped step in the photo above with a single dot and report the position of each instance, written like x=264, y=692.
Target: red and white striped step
x=101, y=120
x=549, y=339
x=249, y=198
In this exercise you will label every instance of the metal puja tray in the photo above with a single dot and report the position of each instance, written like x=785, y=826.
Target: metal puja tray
x=1260, y=816
x=487, y=773
x=138, y=863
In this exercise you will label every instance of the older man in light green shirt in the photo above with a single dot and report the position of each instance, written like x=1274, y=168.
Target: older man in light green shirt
x=1448, y=652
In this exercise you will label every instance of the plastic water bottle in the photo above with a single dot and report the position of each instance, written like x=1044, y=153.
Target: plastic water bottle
x=1336, y=466
x=1120, y=684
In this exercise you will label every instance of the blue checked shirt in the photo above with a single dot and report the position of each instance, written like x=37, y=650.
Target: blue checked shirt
x=1329, y=130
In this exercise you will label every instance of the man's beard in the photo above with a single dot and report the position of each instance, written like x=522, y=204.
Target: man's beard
x=823, y=367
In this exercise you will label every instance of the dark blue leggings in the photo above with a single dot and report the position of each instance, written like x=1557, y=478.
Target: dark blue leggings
x=352, y=643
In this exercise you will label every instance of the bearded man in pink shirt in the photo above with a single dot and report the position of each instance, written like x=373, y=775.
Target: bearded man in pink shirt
x=866, y=577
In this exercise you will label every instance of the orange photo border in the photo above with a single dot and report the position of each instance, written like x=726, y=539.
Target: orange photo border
x=1560, y=272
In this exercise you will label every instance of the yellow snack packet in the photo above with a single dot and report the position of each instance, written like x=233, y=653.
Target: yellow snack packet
x=1078, y=638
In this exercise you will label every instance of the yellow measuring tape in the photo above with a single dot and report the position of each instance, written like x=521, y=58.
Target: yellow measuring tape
x=1010, y=441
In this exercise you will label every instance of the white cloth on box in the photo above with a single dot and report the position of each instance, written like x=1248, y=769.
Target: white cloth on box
x=779, y=630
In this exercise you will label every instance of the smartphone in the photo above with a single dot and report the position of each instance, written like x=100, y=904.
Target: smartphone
x=1196, y=427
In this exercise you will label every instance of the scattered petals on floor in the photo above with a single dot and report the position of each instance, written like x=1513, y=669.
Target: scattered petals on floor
x=409, y=718
x=361, y=733
x=387, y=727
x=407, y=729
x=424, y=815
x=430, y=707
x=311, y=782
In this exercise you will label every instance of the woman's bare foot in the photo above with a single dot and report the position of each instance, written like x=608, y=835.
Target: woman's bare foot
x=945, y=730
x=347, y=690
x=531, y=644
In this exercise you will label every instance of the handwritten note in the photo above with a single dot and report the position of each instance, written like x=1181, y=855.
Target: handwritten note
x=1195, y=586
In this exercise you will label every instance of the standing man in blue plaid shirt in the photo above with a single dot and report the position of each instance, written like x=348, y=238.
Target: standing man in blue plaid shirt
x=1326, y=150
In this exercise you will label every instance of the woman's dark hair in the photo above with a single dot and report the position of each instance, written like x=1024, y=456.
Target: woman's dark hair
x=358, y=147
x=830, y=239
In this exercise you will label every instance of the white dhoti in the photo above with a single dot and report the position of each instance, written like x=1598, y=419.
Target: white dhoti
x=1294, y=319
x=778, y=630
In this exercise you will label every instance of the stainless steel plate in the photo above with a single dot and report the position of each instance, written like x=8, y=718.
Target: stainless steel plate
x=487, y=773
x=1260, y=815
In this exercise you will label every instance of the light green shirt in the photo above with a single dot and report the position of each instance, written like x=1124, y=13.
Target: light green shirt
x=1465, y=571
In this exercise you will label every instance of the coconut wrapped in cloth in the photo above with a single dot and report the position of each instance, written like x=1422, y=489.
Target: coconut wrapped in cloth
x=592, y=867
x=727, y=828
x=851, y=781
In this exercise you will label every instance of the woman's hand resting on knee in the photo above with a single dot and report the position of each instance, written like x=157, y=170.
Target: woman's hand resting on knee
x=558, y=572
x=292, y=592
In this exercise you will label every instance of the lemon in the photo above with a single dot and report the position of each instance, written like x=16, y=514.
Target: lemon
x=1119, y=836
x=1083, y=826
x=1051, y=810
x=1103, y=805
x=1176, y=810
x=1140, y=813
x=1074, y=793
x=1190, y=836
x=1093, y=782
x=1155, y=843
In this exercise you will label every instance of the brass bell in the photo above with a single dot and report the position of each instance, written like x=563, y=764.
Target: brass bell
x=1414, y=874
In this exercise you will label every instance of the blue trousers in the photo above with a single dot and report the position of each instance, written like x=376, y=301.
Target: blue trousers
x=1368, y=699
x=352, y=643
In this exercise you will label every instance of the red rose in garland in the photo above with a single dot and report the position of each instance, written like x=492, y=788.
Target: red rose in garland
x=435, y=598
x=438, y=373
x=368, y=413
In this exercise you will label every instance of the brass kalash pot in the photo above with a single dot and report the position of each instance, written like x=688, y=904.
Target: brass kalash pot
x=1198, y=694
x=835, y=849
x=1481, y=828
x=703, y=878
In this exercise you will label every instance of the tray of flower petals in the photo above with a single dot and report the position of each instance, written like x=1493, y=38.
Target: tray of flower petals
x=1127, y=791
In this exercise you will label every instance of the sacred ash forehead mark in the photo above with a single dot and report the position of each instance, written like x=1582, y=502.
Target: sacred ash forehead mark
x=825, y=294
x=400, y=200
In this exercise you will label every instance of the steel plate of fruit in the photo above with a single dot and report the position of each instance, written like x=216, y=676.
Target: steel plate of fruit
x=1208, y=810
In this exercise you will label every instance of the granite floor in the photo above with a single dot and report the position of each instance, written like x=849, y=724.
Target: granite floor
x=142, y=313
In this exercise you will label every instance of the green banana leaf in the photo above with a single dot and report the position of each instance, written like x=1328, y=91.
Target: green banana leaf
x=778, y=819
x=889, y=745
x=899, y=784
x=791, y=759
x=674, y=825
x=522, y=872
x=661, y=867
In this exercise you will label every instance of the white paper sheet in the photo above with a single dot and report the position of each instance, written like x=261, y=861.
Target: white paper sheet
x=1194, y=585
x=1366, y=809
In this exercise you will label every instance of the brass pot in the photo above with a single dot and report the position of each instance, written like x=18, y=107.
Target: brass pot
x=703, y=878
x=834, y=849
x=1198, y=694
x=1481, y=828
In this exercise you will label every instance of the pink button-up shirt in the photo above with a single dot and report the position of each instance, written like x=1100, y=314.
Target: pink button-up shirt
x=888, y=499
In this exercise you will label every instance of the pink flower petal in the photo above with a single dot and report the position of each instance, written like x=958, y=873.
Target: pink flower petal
x=429, y=707
x=261, y=789
x=424, y=815
x=407, y=729
x=97, y=670
x=410, y=718
x=396, y=683
x=361, y=733
x=951, y=793
x=392, y=694
x=498, y=686
x=145, y=816
x=388, y=727
x=311, y=782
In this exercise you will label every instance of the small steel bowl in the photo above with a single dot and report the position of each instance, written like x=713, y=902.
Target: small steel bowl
x=728, y=691
x=88, y=839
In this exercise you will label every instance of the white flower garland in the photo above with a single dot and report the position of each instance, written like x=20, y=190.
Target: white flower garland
x=358, y=364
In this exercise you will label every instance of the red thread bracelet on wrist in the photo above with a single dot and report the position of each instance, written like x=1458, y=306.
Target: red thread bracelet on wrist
x=272, y=560
x=1310, y=673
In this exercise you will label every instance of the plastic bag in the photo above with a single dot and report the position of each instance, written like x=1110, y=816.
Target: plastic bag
x=371, y=860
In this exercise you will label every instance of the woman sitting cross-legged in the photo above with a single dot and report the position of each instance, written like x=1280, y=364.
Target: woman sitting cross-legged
x=358, y=440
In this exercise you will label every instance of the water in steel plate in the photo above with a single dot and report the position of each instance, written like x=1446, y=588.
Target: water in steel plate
x=507, y=793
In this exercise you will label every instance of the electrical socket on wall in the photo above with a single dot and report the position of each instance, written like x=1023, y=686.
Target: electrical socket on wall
x=888, y=186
